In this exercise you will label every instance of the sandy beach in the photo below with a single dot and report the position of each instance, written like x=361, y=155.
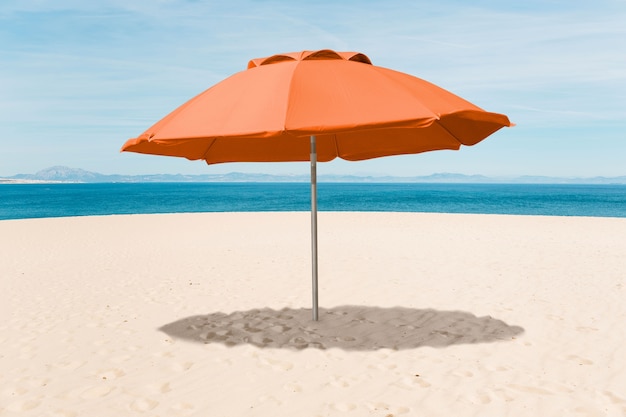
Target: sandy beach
x=209, y=315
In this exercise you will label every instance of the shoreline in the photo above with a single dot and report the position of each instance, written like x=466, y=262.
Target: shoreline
x=308, y=213
x=208, y=313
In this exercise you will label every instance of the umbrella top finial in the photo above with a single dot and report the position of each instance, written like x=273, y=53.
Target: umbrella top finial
x=309, y=56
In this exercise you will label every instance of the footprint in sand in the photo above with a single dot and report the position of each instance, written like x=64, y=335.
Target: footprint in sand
x=270, y=399
x=98, y=391
x=615, y=399
x=184, y=408
x=181, y=366
x=13, y=392
x=588, y=411
x=159, y=388
x=381, y=355
x=166, y=354
x=503, y=395
x=292, y=387
x=581, y=361
x=143, y=404
x=585, y=329
x=27, y=353
x=343, y=407
x=480, y=398
x=23, y=405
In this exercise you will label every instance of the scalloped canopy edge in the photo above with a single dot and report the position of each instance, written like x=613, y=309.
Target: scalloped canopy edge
x=309, y=56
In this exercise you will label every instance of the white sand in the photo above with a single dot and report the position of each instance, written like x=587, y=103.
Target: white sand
x=208, y=315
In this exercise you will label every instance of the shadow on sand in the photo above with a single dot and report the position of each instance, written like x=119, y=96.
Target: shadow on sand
x=357, y=328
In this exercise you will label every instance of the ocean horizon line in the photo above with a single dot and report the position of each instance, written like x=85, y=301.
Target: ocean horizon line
x=63, y=174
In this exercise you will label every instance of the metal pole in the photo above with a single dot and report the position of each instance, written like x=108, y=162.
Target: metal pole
x=314, y=224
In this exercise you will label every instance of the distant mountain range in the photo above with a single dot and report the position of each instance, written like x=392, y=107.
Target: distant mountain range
x=73, y=175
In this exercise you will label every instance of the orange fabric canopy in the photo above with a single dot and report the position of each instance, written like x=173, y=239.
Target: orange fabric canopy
x=356, y=111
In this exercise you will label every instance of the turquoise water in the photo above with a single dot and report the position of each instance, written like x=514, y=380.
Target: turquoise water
x=19, y=201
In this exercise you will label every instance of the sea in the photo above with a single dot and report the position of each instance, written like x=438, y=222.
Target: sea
x=24, y=201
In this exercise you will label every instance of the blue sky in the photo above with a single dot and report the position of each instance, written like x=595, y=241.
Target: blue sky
x=78, y=78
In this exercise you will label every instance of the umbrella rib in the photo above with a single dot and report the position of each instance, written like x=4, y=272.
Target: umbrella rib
x=438, y=121
x=336, y=141
x=204, y=155
x=288, y=106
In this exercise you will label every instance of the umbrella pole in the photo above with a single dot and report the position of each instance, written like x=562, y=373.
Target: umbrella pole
x=314, y=224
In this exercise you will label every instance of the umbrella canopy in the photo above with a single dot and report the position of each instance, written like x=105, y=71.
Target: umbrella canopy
x=316, y=105
x=355, y=109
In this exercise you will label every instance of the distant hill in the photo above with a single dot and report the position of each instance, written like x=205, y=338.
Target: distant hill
x=69, y=175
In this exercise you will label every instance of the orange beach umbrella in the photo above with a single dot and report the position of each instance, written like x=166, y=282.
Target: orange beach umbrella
x=316, y=106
